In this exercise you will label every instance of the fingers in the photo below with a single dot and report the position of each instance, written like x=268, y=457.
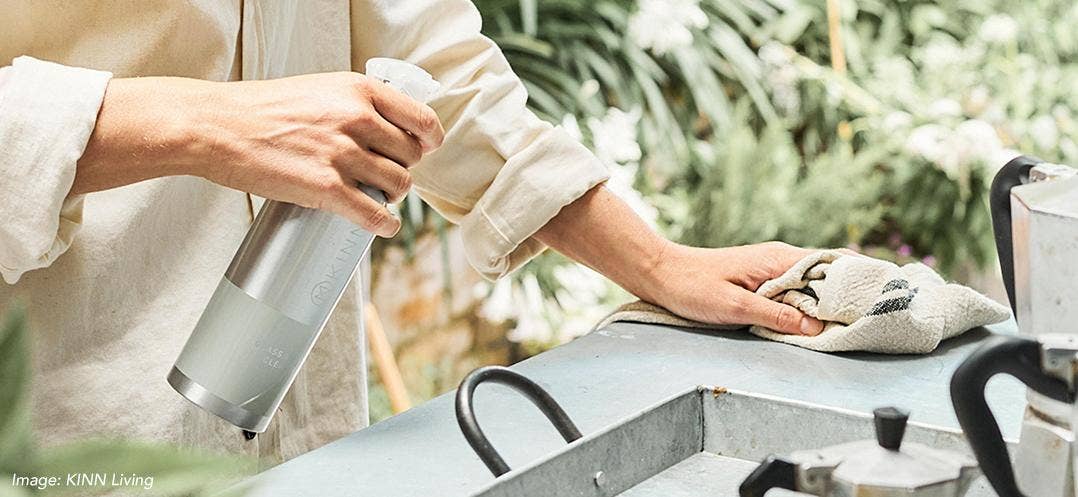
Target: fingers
x=380, y=172
x=385, y=138
x=785, y=255
x=351, y=203
x=407, y=114
x=782, y=318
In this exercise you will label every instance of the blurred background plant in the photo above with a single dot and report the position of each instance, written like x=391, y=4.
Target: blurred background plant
x=174, y=470
x=873, y=124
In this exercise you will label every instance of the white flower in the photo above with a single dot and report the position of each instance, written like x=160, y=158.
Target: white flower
x=897, y=121
x=782, y=77
x=928, y=141
x=945, y=107
x=941, y=53
x=1044, y=132
x=978, y=141
x=532, y=324
x=999, y=28
x=614, y=136
x=978, y=100
x=621, y=185
x=663, y=25
x=580, y=287
x=499, y=305
x=775, y=54
x=572, y=126
x=973, y=142
x=1069, y=148
x=589, y=89
x=580, y=298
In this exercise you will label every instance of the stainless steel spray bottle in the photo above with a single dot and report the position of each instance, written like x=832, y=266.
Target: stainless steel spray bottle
x=276, y=296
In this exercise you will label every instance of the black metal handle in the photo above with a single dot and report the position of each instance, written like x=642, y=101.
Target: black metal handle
x=1014, y=173
x=470, y=427
x=773, y=472
x=1020, y=358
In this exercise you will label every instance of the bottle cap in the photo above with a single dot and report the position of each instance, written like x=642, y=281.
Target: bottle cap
x=409, y=78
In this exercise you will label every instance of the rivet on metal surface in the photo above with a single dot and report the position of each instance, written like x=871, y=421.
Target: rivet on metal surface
x=599, y=479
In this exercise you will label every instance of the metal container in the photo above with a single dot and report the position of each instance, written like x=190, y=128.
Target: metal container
x=1044, y=462
x=1035, y=219
x=884, y=467
x=701, y=443
x=276, y=296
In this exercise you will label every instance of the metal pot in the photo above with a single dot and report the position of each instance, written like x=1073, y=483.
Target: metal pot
x=879, y=468
x=1035, y=218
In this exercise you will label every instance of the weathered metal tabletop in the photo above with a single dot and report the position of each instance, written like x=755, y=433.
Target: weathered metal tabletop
x=611, y=375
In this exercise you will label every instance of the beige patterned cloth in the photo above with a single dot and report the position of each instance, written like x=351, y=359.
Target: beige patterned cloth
x=866, y=305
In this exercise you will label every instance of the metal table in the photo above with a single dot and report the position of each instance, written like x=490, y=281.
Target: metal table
x=608, y=376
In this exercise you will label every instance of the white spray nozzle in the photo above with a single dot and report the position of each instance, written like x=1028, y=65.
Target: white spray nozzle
x=409, y=78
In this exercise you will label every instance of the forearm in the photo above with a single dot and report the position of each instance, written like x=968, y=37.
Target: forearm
x=602, y=232
x=142, y=132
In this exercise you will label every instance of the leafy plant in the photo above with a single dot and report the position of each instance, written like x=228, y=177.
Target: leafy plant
x=174, y=471
x=746, y=134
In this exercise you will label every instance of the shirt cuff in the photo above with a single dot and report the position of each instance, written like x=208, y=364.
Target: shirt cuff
x=47, y=112
x=532, y=187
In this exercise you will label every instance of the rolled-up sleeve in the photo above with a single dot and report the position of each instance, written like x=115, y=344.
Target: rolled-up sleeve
x=47, y=112
x=502, y=172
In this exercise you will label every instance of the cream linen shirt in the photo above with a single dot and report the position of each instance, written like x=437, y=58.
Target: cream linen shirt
x=114, y=281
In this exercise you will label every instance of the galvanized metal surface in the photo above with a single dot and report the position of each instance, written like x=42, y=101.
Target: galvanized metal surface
x=702, y=475
x=622, y=455
x=706, y=438
x=611, y=375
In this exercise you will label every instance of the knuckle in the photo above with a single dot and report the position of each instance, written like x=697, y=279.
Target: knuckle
x=740, y=305
x=787, y=318
x=428, y=120
x=413, y=153
x=357, y=80
x=327, y=182
x=363, y=118
x=379, y=218
x=344, y=152
x=401, y=184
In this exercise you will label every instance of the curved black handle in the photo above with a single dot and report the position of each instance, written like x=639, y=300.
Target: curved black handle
x=1014, y=173
x=470, y=427
x=1018, y=357
x=773, y=472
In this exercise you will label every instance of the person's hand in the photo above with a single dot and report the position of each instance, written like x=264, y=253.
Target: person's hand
x=306, y=140
x=716, y=285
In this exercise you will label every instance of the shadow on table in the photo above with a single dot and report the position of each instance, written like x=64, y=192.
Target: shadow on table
x=963, y=341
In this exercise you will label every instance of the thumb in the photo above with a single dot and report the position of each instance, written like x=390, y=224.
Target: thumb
x=779, y=317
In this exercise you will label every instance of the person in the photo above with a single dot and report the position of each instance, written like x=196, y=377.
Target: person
x=130, y=131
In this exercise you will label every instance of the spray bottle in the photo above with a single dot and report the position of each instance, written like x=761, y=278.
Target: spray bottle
x=276, y=296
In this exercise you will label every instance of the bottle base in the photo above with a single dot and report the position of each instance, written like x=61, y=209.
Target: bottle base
x=199, y=396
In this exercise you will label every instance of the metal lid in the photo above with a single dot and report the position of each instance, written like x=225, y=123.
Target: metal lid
x=887, y=465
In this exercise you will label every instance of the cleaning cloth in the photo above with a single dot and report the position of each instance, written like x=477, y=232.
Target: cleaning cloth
x=866, y=304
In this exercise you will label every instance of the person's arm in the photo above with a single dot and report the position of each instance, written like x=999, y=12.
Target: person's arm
x=47, y=112
x=708, y=285
x=515, y=184
x=305, y=139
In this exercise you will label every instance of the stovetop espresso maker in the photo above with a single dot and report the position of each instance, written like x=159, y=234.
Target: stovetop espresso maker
x=1035, y=219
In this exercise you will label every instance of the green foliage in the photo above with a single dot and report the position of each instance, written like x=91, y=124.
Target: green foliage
x=15, y=443
x=175, y=471
x=747, y=134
